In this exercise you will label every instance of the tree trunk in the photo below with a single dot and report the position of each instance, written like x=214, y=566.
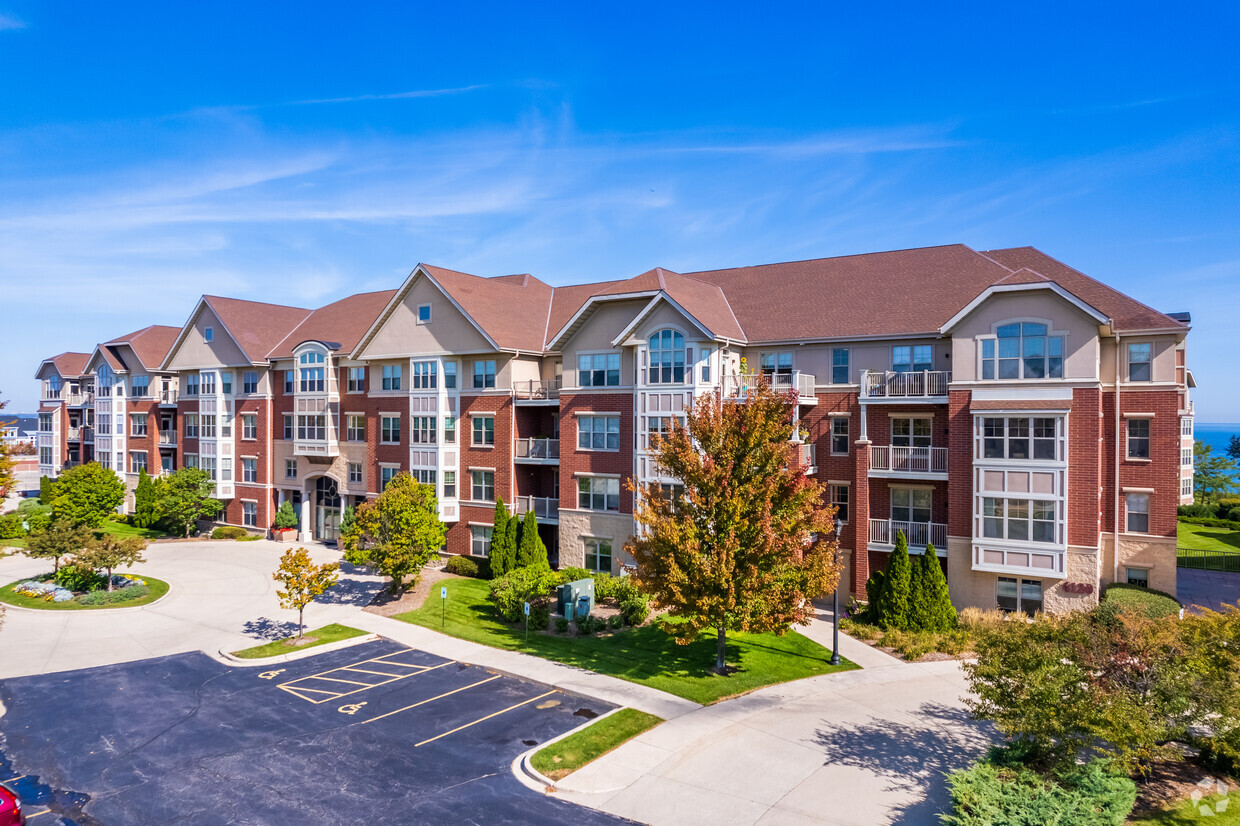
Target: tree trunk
x=301, y=628
x=721, y=649
x=109, y=570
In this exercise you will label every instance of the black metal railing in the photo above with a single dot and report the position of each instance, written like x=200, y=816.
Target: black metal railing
x=1213, y=560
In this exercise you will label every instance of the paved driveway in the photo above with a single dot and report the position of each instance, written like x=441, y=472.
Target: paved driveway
x=222, y=595
x=377, y=733
x=1210, y=589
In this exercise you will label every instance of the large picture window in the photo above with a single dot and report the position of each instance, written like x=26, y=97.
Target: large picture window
x=310, y=373
x=598, y=370
x=598, y=493
x=1024, y=520
x=667, y=358
x=425, y=375
x=598, y=432
x=910, y=505
x=312, y=428
x=598, y=555
x=1022, y=351
x=911, y=432
x=391, y=376
x=424, y=430
x=776, y=364
x=1020, y=438
x=912, y=358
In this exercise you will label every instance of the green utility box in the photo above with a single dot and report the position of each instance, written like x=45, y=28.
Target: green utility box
x=572, y=597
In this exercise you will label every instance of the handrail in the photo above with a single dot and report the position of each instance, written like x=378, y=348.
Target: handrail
x=918, y=534
x=889, y=384
x=533, y=448
x=738, y=385
x=899, y=459
x=537, y=389
x=544, y=507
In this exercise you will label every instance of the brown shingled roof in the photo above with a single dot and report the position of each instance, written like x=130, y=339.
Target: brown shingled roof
x=701, y=299
x=257, y=328
x=150, y=344
x=906, y=292
x=1126, y=312
x=512, y=310
x=566, y=301
x=70, y=365
x=342, y=322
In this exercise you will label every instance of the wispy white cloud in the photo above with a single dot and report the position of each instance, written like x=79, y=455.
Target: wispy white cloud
x=9, y=22
x=416, y=93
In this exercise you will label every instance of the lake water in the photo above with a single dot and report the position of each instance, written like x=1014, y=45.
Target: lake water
x=1216, y=435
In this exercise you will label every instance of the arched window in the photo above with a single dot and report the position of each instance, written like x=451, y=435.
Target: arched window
x=311, y=376
x=667, y=358
x=103, y=380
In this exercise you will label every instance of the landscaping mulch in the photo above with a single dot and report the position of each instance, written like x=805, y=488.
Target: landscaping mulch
x=1174, y=781
x=386, y=605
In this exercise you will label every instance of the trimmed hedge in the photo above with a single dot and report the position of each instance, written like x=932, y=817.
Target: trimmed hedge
x=229, y=532
x=462, y=566
x=1154, y=604
x=990, y=795
x=1211, y=523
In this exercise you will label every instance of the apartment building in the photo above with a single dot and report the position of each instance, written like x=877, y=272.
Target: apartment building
x=1029, y=423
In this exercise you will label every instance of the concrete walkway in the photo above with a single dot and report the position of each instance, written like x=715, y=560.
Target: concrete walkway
x=859, y=747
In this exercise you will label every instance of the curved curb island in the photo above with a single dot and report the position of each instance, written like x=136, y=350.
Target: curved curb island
x=245, y=662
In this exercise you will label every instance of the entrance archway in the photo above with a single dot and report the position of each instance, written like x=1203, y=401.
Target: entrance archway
x=323, y=496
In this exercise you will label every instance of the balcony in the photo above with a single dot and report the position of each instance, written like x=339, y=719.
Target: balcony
x=314, y=447
x=167, y=396
x=924, y=385
x=76, y=399
x=538, y=451
x=74, y=434
x=883, y=535
x=167, y=438
x=908, y=462
x=738, y=386
x=807, y=457
x=545, y=509
x=537, y=392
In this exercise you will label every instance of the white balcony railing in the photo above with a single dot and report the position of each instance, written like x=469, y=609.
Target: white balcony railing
x=540, y=450
x=889, y=385
x=536, y=390
x=167, y=437
x=918, y=534
x=80, y=398
x=167, y=396
x=912, y=460
x=544, y=507
x=739, y=385
x=73, y=434
x=807, y=456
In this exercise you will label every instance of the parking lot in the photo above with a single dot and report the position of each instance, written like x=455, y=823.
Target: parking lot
x=373, y=733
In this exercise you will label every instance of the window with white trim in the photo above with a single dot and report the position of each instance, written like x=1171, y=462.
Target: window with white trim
x=598, y=370
x=912, y=358
x=839, y=365
x=208, y=464
x=598, y=493
x=484, y=374
x=226, y=383
x=355, y=473
x=599, y=432
x=137, y=461
x=310, y=376
x=666, y=357
x=423, y=430
x=424, y=314
x=288, y=382
x=386, y=474
x=910, y=505
x=1014, y=596
x=208, y=383
x=1186, y=426
x=191, y=460
x=389, y=430
x=449, y=430
x=312, y=428
x=1025, y=520
x=249, y=382
x=355, y=428
x=911, y=432
x=391, y=376
x=208, y=425
x=249, y=470
x=482, y=483
x=598, y=555
x=776, y=364
x=1138, y=438
x=449, y=375
x=225, y=469
x=191, y=384
x=1139, y=577
x=839, y=435
x=425, y=375
x=480, y=540
x=249, y=426
x=249, y=514
x=1140, y=362
x=423, y=476
x=1186, y=486
x=356, y=382
x=1021, y=438
x=449, y=484
x=839, y=498
x=1022, y=350
x=45, y=455
x=659, y=427
x=140, y=386
x=483, y=431
x=208, y=334
x=137, y=424
x=290, y=468
x=288, y=426
x=1137, y=512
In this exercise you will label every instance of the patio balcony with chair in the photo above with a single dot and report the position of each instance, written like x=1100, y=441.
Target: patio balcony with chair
x=739, y=385
x=537, y=391
x=919, y=386
x=538, y=451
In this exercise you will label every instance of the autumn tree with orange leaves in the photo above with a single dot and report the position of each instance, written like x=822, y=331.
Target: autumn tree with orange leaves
x=749, y=543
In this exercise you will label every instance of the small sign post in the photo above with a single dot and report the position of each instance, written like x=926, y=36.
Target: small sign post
x=527, y=622
x=443, y=606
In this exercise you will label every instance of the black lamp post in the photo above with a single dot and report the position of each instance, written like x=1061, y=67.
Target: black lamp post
x=835, y=600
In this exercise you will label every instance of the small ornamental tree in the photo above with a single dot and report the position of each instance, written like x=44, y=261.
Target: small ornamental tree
x=893, y=599
x=286, y=517
x=348, y=519
x=145, y=499
x=750, y=543
x=62, y=538
x=303, y=582
x=398, y=533
x=112, y=552
x=531, y=550
x=87, y=494
x=185, y=497
x=501, y=563
x=8, y=476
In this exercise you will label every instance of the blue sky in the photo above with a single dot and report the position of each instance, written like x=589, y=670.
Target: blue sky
x=299, y=152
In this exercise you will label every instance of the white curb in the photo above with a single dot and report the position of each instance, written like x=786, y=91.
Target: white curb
x=243, y=662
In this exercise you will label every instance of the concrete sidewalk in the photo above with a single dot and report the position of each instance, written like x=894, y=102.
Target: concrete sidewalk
x=567, y=677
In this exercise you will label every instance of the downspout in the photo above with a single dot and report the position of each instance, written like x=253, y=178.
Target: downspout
x=1115, y=524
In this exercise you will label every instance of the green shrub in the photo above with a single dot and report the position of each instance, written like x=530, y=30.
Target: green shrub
x=1195, y=511
x=540, y=614
x=461, y=566
x=286, y=517
x=37, y=515
x=565, y=575
x=1211, y=523
x=11, y=526
x=561, y=625
x=121, y=518
x=1154, y=604
x=604, y=587
x=510, y=592
x=615, y=621
x=860, y=630
x=991, y=795
x=79, y=578
x=590, y=624
x=634, y=603
x=1233, y=515
x=253, y=537
x=229, y=532
x=119, y=595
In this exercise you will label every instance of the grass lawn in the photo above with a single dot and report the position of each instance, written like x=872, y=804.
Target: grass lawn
x=1187, y=813
x=322, y=636
x=643, y=655
x=1195, y=544
x=117, y=529
x=566, y=756
x=156, y=589
x=12, y=543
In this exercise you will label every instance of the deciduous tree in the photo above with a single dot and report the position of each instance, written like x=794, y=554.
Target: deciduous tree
x=87, y=494
x=185, y=497
x=1212, y=475
x=110, y=552
x=398, y=533
x=303, y=581
x=748, y=545
x=62, y=538
x=8, y=477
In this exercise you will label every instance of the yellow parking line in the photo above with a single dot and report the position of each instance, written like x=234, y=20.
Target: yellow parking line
x=36, y=814
x=13, y=779
x=295, y=686
x=424, y=702
x=368, y=671
x=483, y=719
x=346, y=682
x=382, y=659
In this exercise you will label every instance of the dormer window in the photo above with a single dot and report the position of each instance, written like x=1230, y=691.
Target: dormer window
x=667, y=358
x=310, y=372
x=1022, y=350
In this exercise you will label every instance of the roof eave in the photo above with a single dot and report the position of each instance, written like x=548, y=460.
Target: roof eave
x=994, y=289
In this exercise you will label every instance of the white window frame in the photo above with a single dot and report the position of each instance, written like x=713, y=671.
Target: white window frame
x=387, y=428
x=249, y=470
x=387, y=472
x=914, y=365
x=913, y=437
x=423, y=430
x=836, y=365
x=840, y=498
x=588, y=367
x=591, y=481
x=1020, y=583
x=480, y=538
x=839, y=432
x=355, y=473
x=249, y=513
x=356, y=381
x=1132, y=497
x=593, y=555
x=1054, y=339
x=424, y=318
x=675, y=359
x=391, y=376
x=487, y=376
x=478, y=427
x=1149, y=363
x=133, y=461
x=289, y=427
x=1132, y=442
x=249, y=387
x=290, y=468
x=138, y=424
x=425, y=375
x=249, y=426
x=591, y=434
x=355, y=427
x=478, y=484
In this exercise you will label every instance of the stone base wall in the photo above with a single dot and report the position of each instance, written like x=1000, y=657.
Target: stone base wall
x=577, y=526
x=1155, y=553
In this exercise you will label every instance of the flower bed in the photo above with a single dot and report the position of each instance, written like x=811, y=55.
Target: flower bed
x=44, y=593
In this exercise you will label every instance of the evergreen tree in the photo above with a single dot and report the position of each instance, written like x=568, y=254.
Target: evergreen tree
x=47, y=490
x=531, y=550
x=893, y=604
x=940, y=613
x=920, y=615
x=499, y=539
x=512, y=538
x=145, y=497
